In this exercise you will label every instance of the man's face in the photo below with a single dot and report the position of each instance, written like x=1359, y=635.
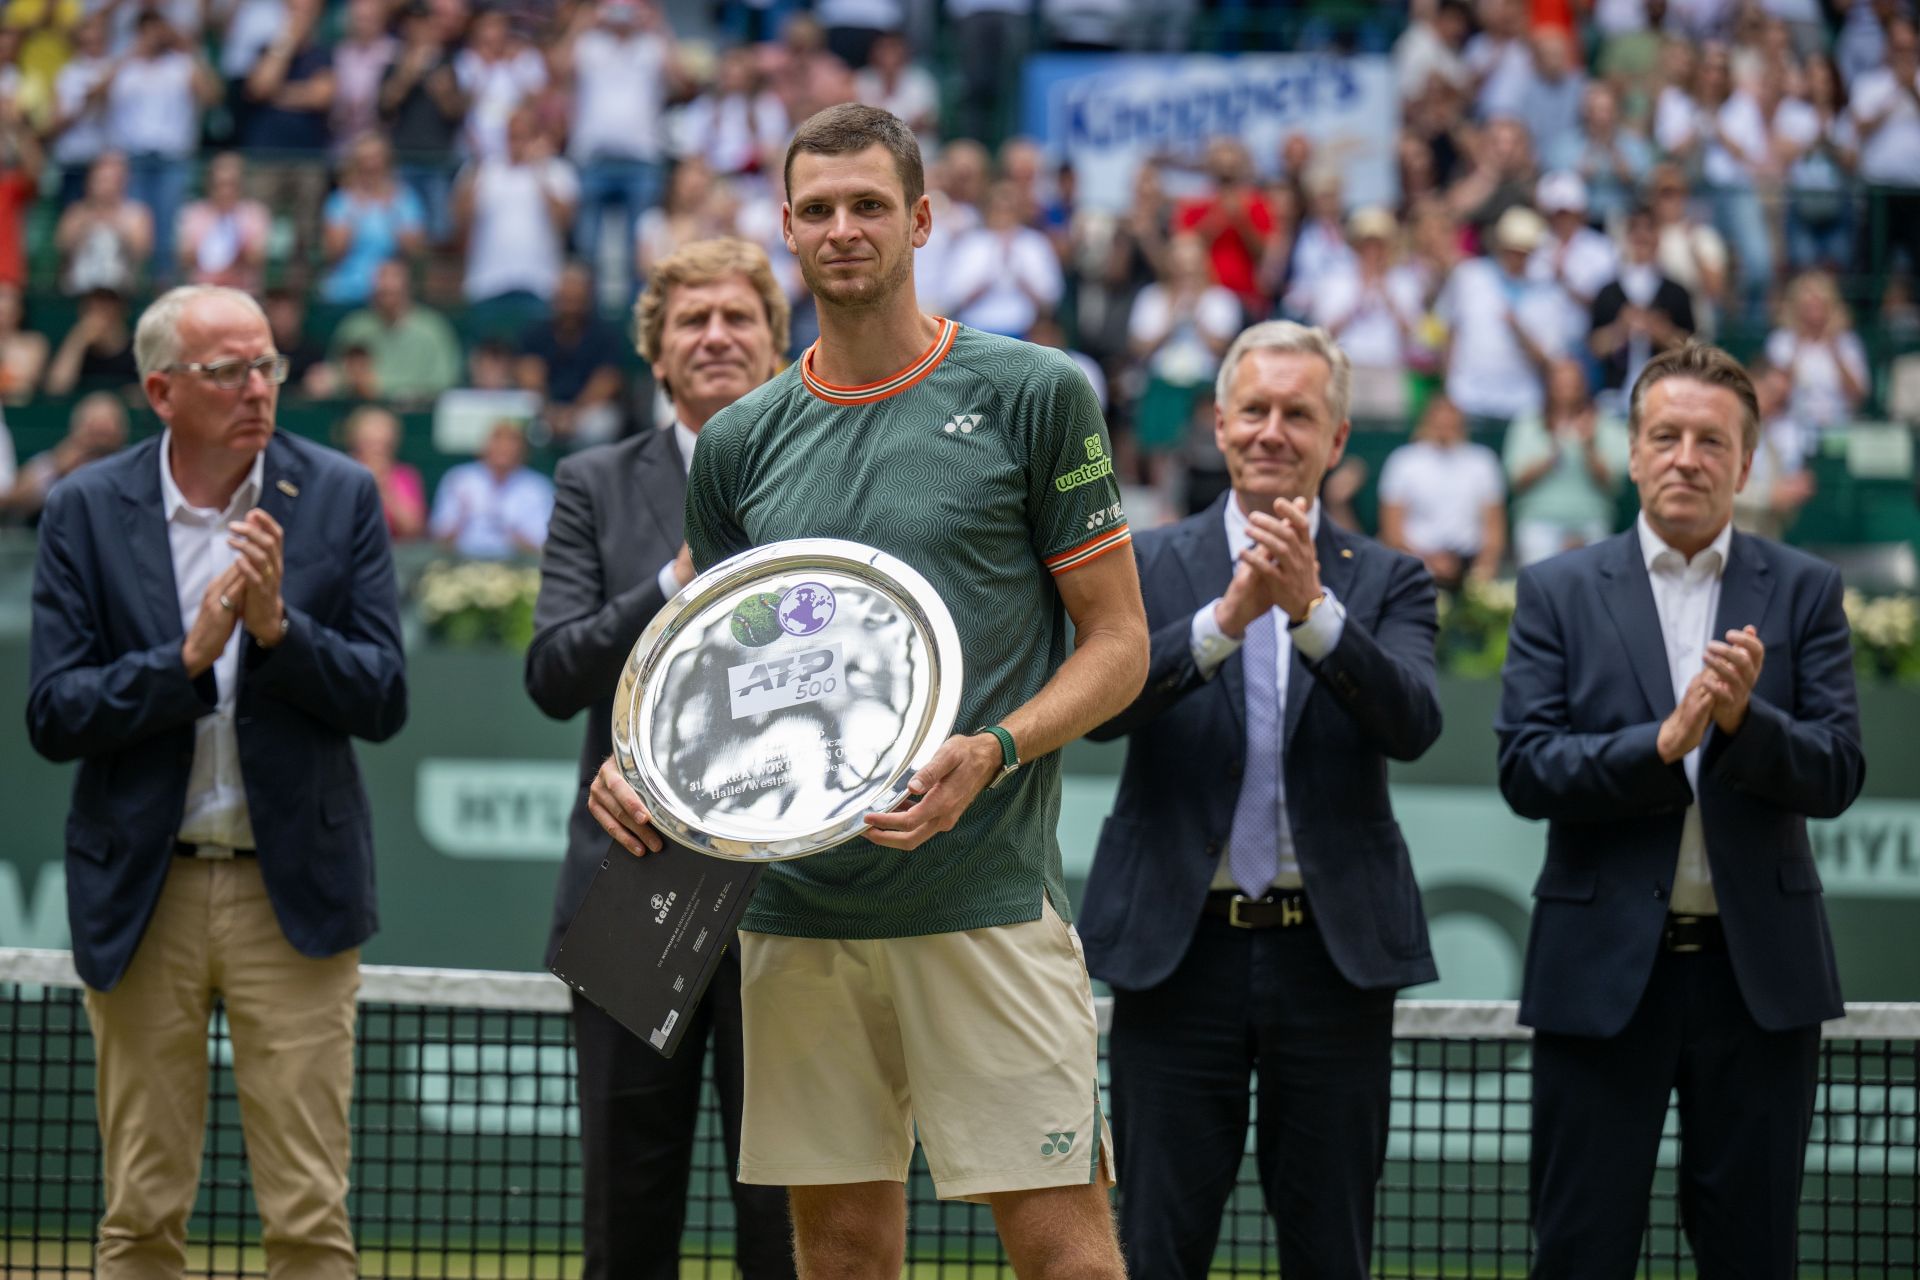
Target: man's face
x=239, y=421
x=715, y=342
x=390, y=289
x=1277, y=433
x=505, y=450
x=1688, y=459
x=848, y=222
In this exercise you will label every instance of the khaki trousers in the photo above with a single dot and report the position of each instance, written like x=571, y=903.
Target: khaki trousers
x=291, y=1019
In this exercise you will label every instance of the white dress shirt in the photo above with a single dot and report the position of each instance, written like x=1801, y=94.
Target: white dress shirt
x=1686, y=594
x=683, y=439
x=216, y=811
x=1315, y=638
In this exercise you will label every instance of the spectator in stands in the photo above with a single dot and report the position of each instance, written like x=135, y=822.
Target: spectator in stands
x=573, y=363
x=1612, y=160
x=96, y=429
x=738, y=126
x=1502, y=328
x=1320, y=245
x=23, y=352
x=1580, y=260
x=20, y=187
x=223, y=238
x=893, y=81
x=854, y=28
x=247, y=30
x=1430, y=47
x=1180, y=327
x=1372, y=307
x=687, y=215
x=956, y=188
x=77, y=130
x=498, y=73
x=105, y=237
x=1442, y=498
x=371, y=435
x=360, y=61
x=98, y=349
x=1630, y=56
x=1554, y=94
x=1502, y=175
x=1886, y=109
x=416, y=354
x=1565, y=464
x=370, y=219
x=1133, y=256
x=621, y=62
x=1235, y=221
x=990, y=43
x=1692, y=254
x=290, y=90
x=307, y=367
x=1779, y=483
x=1641, y=313
x=1723, y=128
x=1500, y=60
x=421, y=107
x=1817, y=347
x=154, y=97
x=8, y=459
x=514, y=212
x=1815, y=137
x=495, y=507
x=1002, y=275
x=1861, y=45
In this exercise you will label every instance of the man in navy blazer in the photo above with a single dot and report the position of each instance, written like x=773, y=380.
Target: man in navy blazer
x=1678, y=701
x=214, y=618
x=1251, y=901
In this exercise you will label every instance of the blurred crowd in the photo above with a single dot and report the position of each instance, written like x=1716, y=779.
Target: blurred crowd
x=449, y=208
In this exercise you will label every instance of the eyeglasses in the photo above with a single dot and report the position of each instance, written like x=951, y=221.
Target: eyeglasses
x=231, y=375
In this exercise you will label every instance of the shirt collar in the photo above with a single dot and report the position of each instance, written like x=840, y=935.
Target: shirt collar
x=172, y=501
x=1661, y=558
x=1236, y=519
x=685, y=438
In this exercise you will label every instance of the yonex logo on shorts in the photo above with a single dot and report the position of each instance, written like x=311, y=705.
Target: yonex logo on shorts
x=964, y=423
x=1058, y=1144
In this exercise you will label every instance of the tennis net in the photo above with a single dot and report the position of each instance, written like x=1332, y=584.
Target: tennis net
x=465, y=1162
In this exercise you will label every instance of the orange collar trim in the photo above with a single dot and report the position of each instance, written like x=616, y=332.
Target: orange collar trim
x=868, y=393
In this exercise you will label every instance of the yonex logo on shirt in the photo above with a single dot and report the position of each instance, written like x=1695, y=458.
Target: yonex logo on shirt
x=964, y=423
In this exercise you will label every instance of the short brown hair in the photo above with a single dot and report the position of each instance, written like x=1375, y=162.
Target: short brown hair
x=851, y=128
x=703, y=262
x=1701, y=363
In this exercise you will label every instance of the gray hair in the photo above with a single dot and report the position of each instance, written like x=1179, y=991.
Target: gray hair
x=1285, y=335
x=156, y=338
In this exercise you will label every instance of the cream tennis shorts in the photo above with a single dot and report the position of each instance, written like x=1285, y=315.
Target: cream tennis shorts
x=984, y=1042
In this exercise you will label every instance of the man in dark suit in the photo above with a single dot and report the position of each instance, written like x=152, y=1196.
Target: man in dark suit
x=1640, y=312
x=1251, y=901
x=711, y=323
x=214, y=618
x=1679, y=939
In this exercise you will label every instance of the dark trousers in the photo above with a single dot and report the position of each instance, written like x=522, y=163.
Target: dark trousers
x=638, y=1112
x=1181, y=1055
x=1746, y=1103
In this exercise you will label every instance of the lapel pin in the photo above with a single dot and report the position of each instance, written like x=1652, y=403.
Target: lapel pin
x=287, y=487
x=1346, y=553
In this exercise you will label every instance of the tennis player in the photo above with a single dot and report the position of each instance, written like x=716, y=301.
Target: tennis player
x=927, y=980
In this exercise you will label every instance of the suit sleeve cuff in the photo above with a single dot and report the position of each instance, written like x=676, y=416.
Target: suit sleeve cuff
x=1320, y=634
x=669, y=585
x=1211, y=646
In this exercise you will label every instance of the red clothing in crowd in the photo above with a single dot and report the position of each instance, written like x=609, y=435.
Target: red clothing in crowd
x=1235, y=262
x=17, y=194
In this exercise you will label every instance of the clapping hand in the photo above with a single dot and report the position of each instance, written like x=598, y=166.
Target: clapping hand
x=1736, y=662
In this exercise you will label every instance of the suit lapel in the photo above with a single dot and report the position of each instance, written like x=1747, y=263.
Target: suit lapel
x=281, y=479
x=1204, y=558
x=660, y=482
x=143, y=516
x=1336, y=575
x=1627, y=594
x=1745, y=586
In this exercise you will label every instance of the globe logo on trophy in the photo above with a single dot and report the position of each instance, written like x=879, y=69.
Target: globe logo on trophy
x=805, y=609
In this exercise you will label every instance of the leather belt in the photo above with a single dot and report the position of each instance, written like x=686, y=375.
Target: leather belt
x=209, y=852
x=1687, y=934
x=1286, y=909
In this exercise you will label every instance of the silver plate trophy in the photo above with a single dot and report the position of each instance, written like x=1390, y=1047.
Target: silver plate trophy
x=783, y=695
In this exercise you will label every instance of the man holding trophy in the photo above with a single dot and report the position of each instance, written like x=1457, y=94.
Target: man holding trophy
x=924, y=978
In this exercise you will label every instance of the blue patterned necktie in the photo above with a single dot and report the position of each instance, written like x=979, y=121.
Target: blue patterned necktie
x=1253, y=850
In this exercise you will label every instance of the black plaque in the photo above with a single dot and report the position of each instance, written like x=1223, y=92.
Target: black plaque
x=649, y=935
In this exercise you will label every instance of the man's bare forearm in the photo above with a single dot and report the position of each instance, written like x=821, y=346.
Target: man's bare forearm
x=1098, y=681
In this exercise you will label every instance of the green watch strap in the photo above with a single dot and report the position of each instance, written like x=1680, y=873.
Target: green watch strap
x=1009, y=754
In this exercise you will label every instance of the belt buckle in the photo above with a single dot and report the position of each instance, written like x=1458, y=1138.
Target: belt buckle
x=1233, y=911
x=1674, y=924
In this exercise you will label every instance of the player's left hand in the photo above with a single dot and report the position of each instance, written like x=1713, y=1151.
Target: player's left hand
x=959, y=771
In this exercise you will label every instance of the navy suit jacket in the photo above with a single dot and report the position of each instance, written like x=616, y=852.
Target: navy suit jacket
x=1585, y=689
x=617, y=512
x=108, y=689
x=1370, y=700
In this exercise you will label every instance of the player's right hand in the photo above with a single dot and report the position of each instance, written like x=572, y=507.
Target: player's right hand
x=616, y=806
